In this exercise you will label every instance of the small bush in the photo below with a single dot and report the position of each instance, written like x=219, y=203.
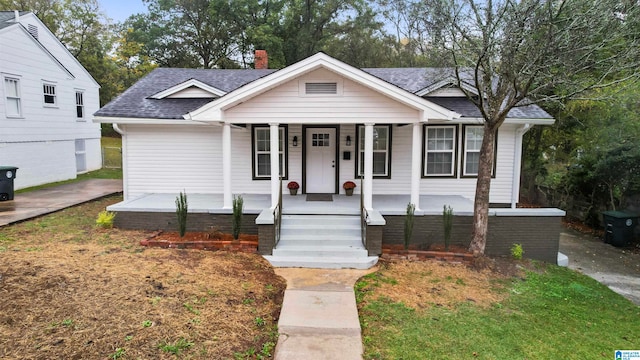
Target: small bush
x=105, y=219
x=447, y=220
x=517, y=251
x=181, y=212
x=408, y=224
x=236, y=225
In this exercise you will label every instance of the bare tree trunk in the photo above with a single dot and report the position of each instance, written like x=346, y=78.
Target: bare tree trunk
x=483, y=187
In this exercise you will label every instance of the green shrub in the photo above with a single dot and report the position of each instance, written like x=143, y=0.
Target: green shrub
x=408, y=224
x=181, y=212
x=517, y=251
x=236, y=224
x=105, y=219
x=447, y=220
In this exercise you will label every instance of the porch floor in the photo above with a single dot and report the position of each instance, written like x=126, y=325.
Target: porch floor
x=298, y=204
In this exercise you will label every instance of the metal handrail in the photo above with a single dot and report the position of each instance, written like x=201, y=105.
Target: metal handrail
x=363, y=217
x=277, y=217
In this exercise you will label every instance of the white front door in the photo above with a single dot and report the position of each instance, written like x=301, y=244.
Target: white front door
x=321, y=160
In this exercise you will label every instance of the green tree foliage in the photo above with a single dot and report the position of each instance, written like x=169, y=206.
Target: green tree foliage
x=514, y=52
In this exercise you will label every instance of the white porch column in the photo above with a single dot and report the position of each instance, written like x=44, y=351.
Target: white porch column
x=226, y=166
x=367, y=185
x=416, y=157
x=275, y=162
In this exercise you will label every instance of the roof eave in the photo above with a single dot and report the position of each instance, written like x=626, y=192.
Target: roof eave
x=307, y=65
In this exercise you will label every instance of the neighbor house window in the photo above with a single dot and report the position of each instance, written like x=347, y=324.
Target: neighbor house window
x=472, y=143
x=49, y=91
x=12, y=91
x=381, y=151
x=79, y=105
x=262, y=152
x=440, y=151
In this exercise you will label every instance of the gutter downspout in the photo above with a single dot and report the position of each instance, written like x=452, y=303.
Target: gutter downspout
x=125, y=183
x=517, y=168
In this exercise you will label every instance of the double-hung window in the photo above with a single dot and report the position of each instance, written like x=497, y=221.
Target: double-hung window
x=381, y=151
x=440, y=151
x=79, y=105
x=12, y=93
x=49, y=93
x=472, y=142
x=262, y=152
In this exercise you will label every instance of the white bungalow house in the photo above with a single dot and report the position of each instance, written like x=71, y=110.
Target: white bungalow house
x=47, y=101
x=403, y=135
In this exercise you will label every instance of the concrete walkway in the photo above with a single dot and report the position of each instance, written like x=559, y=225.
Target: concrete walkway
x=319, y=317
x=616, y=268
x=40, y=202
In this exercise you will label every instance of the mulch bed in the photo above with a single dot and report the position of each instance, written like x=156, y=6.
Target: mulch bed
x=455, y=254
x=203, y=241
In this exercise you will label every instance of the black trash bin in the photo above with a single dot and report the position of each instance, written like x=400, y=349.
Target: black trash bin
x=7, y=174
x=618, y=227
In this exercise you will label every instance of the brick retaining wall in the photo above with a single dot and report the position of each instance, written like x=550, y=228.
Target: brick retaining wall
x=167, y=221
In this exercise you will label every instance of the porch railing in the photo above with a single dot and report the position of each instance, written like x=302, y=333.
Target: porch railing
x=363, y=217
x=277, y=217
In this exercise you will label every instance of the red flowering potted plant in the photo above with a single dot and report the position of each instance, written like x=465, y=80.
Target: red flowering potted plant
x=348, y=187
x=293, y=187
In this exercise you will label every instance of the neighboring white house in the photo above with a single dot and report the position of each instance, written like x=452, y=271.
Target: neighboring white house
x=47, y=101
x=401, y=134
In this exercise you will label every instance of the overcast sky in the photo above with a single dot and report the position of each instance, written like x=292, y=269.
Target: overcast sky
x=120, y=10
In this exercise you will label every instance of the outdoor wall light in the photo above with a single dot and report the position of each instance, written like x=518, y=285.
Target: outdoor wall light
x=295, y=141
x=348, y=140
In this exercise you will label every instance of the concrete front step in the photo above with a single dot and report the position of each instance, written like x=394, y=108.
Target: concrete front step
x=322, y=262
x=321, y=241
x=324, y=252
x=323, y=221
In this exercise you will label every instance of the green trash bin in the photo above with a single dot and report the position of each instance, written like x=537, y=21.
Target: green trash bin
x=619, y=227
x=7, y=174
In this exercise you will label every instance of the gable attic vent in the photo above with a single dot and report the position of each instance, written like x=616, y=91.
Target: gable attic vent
x=321, y=88
x=33, y=30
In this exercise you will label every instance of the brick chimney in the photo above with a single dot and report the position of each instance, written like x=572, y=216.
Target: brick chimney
x=261, y=60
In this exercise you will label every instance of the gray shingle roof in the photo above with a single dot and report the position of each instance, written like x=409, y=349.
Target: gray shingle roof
x=135, y=102
x=6, y=18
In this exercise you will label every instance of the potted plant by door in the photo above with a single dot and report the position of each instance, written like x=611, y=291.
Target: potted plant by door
x=348, y=187
x=293, y=187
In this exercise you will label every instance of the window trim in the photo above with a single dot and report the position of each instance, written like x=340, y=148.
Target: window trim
x=45, y=94
x=389, y=152
x=285, y=152
x=464, y=153
x=454, y=165
x=81, y=105
x=18, y=96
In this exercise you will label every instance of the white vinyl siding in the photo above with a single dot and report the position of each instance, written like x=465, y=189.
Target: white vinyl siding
x=262, y=152
x=381, y=150
x=79, y=105
x=472, y=142
x=440, y=150
x=356, y=104
x=49, y=94
x=13, y=102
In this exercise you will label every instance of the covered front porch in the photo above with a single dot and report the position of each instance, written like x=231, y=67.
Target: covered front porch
x=297, y=204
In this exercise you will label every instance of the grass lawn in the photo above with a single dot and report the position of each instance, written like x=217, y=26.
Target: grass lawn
x=442, y=311
x=70, y=290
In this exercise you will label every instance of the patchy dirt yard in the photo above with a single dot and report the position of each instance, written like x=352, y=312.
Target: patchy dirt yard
x=69, y=290
x=422, y=284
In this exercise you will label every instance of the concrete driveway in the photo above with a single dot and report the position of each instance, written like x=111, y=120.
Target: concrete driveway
x=616, y=268
x=39, y=202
